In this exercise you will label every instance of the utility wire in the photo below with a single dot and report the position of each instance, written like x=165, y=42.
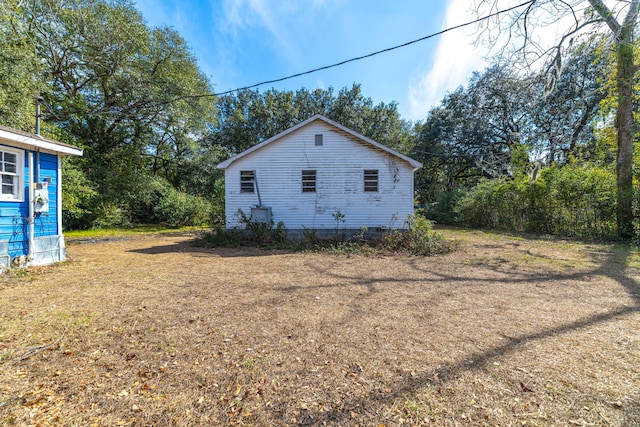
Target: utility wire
x=337, y=64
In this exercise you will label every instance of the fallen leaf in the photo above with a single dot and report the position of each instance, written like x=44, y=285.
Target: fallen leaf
x=525, y=388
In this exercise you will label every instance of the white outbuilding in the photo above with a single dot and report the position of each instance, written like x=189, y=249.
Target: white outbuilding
x=319, y=175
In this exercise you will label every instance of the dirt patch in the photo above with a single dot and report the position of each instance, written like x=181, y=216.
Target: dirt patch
x=154, y=331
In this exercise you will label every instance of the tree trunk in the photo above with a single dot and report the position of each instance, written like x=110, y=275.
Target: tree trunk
x=624, y=38
x=625, y=127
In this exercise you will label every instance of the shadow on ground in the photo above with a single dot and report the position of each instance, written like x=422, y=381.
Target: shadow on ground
x=610, y=265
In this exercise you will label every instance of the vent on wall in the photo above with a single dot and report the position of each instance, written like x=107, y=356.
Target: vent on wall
x=309, y=181
x=319, y=140
x=371, y=180
x=247, y=181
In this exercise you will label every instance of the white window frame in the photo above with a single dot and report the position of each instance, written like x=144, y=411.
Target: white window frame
x=17, y=177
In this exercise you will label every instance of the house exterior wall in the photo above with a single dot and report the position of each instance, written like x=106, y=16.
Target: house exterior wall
x=14, y=215
x=339, y=164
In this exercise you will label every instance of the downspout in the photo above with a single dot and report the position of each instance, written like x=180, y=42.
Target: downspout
x=39, y=101
x=255, y=182
x=59, y=199
x=61, y=244
x=37, y=171
x=31, y=218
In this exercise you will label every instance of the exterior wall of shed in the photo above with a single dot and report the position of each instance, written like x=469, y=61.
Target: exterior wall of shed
x=339, y=164
x=14, y=218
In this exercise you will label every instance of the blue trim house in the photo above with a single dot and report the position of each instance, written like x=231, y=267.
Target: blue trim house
x=31, y=198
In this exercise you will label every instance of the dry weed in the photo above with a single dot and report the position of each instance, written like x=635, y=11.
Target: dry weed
x=153, y=331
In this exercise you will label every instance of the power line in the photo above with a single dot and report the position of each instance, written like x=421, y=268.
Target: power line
x=337, y=64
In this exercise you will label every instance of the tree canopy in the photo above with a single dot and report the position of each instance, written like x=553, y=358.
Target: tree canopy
x=620, y=19
x=153, y=130
x=135, y=99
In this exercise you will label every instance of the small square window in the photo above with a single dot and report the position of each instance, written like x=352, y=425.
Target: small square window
x=371, y=180
x=319, y=140
x=247, y=181
x=309, y=181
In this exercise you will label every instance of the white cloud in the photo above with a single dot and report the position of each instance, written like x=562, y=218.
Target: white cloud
x=456, y=56
x=455, y=59
x=275, y=17
x=240, y=14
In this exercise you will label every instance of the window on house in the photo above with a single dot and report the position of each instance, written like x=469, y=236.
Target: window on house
x=10, y=173
x=319, y=139
x=308, y=181
x=371, y=180
x=247, y=181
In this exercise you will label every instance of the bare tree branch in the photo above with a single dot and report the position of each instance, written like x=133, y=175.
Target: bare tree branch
x=606, y=14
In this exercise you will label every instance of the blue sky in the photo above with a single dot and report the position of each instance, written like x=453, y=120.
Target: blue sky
x=243, y=42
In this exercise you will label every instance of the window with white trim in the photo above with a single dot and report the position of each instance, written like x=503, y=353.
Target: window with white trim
x=11, y=171
x=370, y=180
x=247, y=181
x=309, y=181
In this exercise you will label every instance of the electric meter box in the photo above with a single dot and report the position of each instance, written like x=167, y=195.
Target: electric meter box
x=41, y=197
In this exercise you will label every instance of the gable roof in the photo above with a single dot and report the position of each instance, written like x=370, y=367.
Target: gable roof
x=18, y=138
x=366, y=141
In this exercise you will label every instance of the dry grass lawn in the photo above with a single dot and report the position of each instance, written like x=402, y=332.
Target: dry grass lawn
x=150, y=330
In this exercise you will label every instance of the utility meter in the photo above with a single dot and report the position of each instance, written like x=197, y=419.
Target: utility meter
x=41, y=197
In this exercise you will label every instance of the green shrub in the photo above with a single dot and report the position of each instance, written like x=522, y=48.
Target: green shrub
x=108, y=215
x=419, y=239
x=571, y=201
x=263, y=233
x=221, y=238
x=310, y=237
x=279, y=234
x=443, y=211
x=176, y=209
x=79, y=197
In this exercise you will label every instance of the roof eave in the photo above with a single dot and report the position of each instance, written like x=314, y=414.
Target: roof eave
x=413, y=163
x=256, y=147
x=30, y=141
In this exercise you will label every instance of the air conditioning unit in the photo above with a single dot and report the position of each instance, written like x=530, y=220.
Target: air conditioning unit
x=261, y=214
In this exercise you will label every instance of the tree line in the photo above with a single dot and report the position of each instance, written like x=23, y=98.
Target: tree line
x=506, y=150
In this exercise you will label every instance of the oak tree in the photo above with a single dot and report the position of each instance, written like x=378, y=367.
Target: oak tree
x=522, y=27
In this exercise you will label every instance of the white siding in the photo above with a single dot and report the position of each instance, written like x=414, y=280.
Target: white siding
x=340, y=163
